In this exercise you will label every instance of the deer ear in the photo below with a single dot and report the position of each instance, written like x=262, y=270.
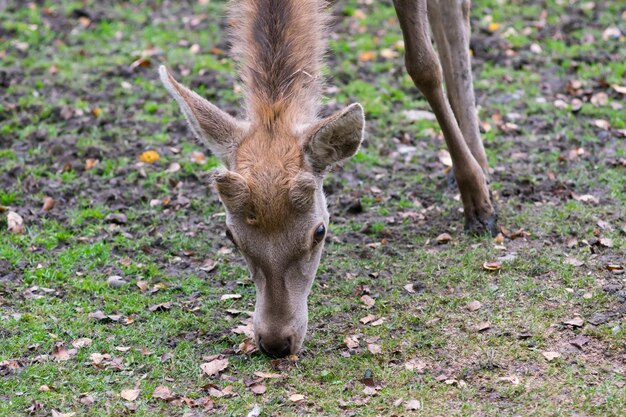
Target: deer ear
x=214, y=127
x=233, y=190
x=335, y=137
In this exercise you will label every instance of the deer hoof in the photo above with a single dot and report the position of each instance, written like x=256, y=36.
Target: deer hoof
x=481, y=225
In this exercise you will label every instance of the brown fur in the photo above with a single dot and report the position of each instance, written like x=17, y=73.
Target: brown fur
x=269, y=162
x=280, y=44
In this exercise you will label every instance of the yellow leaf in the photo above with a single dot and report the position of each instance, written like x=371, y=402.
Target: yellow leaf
x=367, y=56
x=493, y=26
x=149, y=157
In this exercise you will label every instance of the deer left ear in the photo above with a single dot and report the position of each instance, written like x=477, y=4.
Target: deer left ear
x=335, y=138
x=216, y=128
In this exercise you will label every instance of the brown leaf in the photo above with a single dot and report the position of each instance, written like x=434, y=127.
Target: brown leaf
x=412, y=405
x=551, y=355
x=258, y=388
x=586, y=198
x=352, y=342
x=267, y=375
x=247, y=346
x=513, y=379
x=59, y=352
x=15, y=223
x=573, y=261
x=606, y=242
x=474, y=305
x=378, y=322
x=130, y=394
x=444, y=157
x=443, y=238
x=367, y=319
x=415, y=364
x=48, y=203
x=368, y=301
x=86, y=399
x=215, y=366
x=208, y=265
x=482, y=326
x=229, y=297
x=575, y=322
x=374, y=349
x=160, y=307
x=142, y=285
x=82, y=342
x=55, y=413
x=367, y=56
x=579, y=341
x=492, y=266
x=163, y=393
x=91, y=163
x=295, y=398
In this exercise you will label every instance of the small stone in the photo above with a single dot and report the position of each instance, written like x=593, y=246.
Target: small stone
x=115, y=281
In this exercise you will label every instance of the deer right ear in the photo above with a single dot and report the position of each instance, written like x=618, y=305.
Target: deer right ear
x=214, y=127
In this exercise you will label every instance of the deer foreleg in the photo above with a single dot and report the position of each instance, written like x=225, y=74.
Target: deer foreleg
x=423, y=67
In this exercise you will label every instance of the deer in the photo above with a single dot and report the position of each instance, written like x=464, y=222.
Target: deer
x=275, y=156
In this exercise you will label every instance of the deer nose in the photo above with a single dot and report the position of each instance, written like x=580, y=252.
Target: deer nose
x=275, y=349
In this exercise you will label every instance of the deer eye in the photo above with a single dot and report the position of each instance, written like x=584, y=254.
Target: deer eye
x=319, y=234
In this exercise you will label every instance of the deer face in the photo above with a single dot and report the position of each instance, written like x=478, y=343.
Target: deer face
x=271, y=187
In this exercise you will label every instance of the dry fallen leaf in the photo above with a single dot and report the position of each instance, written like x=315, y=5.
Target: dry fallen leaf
x=412, y=405
x=215, y=366
x=86, y=399
x=247, y=346
x=512, y=379
x=82, y=342
x=443, y=238
x=573, y=261
x=352, y=342
x=55, y=413
x=368, y=301
x=551, y=355
x=606, y=242
x=267, y=375
x=130, y=394
x=296, y=398
x=483, y=325
x=367, y=319
x=378, y=322
x=258, y=388
x=415, y=364
x=48, y=203
x=474, y=305
x=229, y=297
x=59, y=352
x=374, y=349
x=575, y=322
x=367, y=56
x=444, y=157
x=149, y=157
x=197, y=157
x=493, y=26
x=492, y=266
x=580, y=341
x=15, y=223
x=174, y=167
x=162, y=392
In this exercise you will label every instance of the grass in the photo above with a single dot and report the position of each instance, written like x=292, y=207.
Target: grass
x=55, y=275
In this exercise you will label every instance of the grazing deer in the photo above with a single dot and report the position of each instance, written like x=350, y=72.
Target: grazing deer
x=275, y=160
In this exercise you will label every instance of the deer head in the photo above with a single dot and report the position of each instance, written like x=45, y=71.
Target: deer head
x=271, y=187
